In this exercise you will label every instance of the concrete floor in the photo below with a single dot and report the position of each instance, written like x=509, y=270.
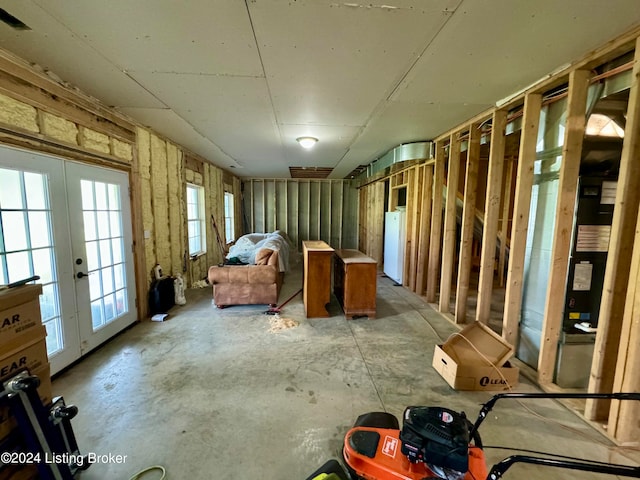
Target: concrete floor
x=213, y=393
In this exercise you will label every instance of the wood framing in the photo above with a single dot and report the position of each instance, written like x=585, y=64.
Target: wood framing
x=435, y=240
x=408, y=272
x=520, y=224
x=425, y=223
x=18, y=80
x=616, y=279
x=414, y=213
x=449, y=234
x=565, y=212
x=504, y=224
x=491, y=215
x=468, y=218
x=623, y=417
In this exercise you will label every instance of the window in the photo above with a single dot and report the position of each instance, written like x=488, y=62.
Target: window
x=229, y=232
x=195, y=220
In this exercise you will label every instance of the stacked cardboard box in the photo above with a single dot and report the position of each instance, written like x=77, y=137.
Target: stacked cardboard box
x=476, y=358
x=22, y=344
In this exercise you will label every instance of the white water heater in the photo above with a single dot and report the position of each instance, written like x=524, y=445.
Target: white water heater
x=394, y=243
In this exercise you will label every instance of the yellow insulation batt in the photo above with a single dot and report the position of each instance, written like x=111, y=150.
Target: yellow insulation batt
x=59, y=128
x=122, y=150
x=95, y=140
x=19, y=114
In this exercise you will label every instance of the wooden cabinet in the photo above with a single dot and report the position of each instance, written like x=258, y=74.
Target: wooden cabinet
x=354, y=281
x=316, y=287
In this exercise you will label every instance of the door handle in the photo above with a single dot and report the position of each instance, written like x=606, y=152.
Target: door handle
x=81, y=275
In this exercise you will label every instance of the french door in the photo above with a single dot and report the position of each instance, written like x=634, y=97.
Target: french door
x=70, y=224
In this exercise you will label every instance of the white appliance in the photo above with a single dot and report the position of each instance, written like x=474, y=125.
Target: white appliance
x=394, y=242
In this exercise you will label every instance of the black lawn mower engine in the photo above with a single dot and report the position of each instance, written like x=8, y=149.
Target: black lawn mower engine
x=438, y=437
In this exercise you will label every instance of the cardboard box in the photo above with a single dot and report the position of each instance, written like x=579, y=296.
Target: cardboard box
x=476, y=359
x=28, y=350
x=19, y=311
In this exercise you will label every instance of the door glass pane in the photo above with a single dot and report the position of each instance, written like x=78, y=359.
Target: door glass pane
x=103, y=222
x=10, y=191
x=26, y=243
x=35, y=186
x=42, y=264
x=107, y=280
x=116, y=249
x=101, y=196
x=105, y=253
x=16, y=229
x=93, y=262
x=87, y=194
x=38, y=230
x=18, y=266
x=90, y=225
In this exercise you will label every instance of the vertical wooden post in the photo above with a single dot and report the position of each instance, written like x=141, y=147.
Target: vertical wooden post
x=616, y=278
x=468, y=218
x=425, y=222
x=449, y=241
x=408, y=272
x=504, y=226
x=623, y=419
x=414, y=215
x=435, y=241
x=521, y=205
x=491, y=215
x=565, y=212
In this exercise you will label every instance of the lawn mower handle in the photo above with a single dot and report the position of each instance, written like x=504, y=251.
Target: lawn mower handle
x=612, y=469
x=487, y=407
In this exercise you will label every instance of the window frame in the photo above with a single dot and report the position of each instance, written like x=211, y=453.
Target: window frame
x=229, y=218
x=198, y=219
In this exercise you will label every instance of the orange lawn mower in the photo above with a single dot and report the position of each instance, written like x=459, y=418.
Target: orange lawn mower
x=439, y=443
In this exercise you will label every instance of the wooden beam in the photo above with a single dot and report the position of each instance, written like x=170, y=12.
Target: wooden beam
x=520, y=224
x=565, y=212
x=22, y=82
x=627, y=375
x=414, y=213
x=616, y=280
x=449, y=240
x=408, y=272
x=504, y=225
x=425, y=223
x=435, y=242
x=468, y=219
x=491, y=215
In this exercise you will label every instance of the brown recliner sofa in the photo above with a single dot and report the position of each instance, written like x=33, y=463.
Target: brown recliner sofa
x=247, y=284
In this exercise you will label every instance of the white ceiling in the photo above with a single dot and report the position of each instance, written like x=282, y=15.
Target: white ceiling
x=237, y=81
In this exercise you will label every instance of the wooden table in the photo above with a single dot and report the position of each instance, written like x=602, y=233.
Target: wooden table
x=316, y=287
x=354, y=283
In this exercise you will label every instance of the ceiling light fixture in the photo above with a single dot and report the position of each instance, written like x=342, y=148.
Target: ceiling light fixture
x=307, y=142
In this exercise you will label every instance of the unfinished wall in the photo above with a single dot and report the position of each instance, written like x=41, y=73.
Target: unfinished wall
x=21, y=117
x=305, y=209
x=39, y=113
x=165, y=170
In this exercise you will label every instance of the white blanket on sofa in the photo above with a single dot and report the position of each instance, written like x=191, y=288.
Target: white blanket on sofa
x=247, y=246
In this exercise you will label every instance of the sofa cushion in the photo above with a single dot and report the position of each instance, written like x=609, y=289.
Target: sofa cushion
x=251, y=274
